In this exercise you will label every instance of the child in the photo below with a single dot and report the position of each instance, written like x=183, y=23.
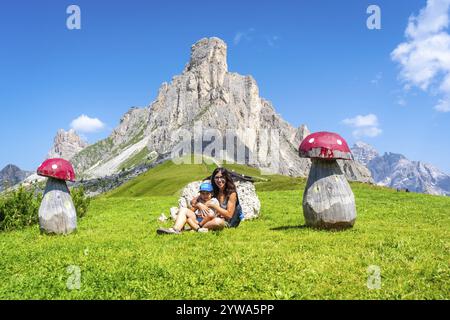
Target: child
x=205, y=197
x=194, y=216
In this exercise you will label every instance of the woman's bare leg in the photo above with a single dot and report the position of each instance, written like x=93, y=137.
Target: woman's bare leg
x=183, y=215
x=215, y=224
x=193, y=223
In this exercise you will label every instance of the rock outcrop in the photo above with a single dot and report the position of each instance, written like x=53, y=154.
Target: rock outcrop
x=131, y=126
x=66, y=145
x=251, y=206
x=301, y=133
x=355, y=171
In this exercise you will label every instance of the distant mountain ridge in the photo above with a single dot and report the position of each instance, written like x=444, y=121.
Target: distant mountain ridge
x=396, y=171
x=364, y=152
x=12, y=175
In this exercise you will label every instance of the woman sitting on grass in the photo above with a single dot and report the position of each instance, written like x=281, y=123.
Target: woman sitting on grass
x=228, y=210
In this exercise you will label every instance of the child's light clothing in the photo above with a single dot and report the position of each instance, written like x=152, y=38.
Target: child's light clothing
x=211, y=211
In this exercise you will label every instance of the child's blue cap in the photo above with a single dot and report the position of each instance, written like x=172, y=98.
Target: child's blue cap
x=206, y=186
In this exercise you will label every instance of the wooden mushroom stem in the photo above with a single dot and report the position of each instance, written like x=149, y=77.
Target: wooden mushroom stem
x=328, y=200
x=57, y=212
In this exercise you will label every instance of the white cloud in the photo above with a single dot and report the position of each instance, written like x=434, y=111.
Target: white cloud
x=367, y=132
x=401, y=102
x=251, y=35
x=443, y=106
x=246, y=35
x=365, y=126
x=377, y=78
x=85, y=124
x=272, y=40
x=238, y=37
x=370, y=120
x=425, y=55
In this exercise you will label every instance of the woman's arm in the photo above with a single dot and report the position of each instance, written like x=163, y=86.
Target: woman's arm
x=196, y=205
x=194, y=201
x=231, y=207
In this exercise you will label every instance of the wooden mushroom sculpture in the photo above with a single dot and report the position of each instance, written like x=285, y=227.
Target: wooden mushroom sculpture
x=328, y=200
x=57, y=213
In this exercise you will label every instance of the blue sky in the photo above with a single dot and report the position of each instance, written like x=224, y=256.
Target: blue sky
x=316, y=61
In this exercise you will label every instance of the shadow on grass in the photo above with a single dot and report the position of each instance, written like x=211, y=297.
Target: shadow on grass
x=283, y=228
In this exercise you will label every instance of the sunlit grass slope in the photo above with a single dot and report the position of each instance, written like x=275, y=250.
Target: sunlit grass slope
x=119, y=255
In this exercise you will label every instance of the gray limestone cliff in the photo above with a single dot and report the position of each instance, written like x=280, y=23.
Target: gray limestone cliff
x=66, y=145
x=205, y=94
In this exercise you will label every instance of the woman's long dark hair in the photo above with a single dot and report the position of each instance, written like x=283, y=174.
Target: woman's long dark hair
x=229, y=184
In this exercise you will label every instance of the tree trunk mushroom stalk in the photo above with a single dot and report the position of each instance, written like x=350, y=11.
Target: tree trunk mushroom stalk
x=57, y=213
x=328, y=200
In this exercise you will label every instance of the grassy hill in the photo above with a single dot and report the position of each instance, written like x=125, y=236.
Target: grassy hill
x=116, y=253
x=168, y=179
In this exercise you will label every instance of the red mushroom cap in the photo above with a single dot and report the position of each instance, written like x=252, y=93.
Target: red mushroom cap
x=57, y=168
x=325, y=145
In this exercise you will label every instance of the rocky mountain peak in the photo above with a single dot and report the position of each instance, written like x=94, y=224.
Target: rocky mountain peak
x=66, y=145
x=208, y=53
x=301, y=133
x=363, y=145
x=394, y=170
x=131, y=125
x=10, y=175
x=364, y=152
x=206, y=95
x=9, y=169
x=394, y=156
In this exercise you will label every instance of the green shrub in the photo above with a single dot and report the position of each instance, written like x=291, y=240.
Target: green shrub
x=81, y=201
x=18, y=209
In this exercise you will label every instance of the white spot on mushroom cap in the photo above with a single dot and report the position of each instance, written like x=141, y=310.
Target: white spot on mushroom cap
x=311, y=140
x=55, y=166
x=339, y=142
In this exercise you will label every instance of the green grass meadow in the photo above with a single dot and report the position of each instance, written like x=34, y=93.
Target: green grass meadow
x=116, y=253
